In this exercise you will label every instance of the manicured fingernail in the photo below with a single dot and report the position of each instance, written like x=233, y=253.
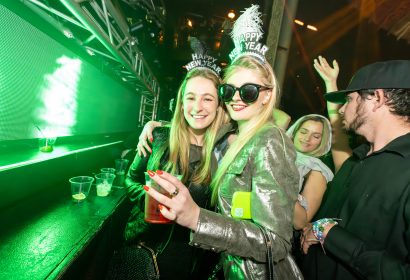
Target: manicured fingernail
x=151, y=173
x=160, y=207
x=151, y=139
x=146, y=188
x=159, y=172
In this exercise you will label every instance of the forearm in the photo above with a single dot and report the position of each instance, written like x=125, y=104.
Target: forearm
x=300, y=217
x=236, y=237
x=135, y=191
x=333, y=108
x=340, y=140
x=135, y=179
x=369, y=263
x=340, y=143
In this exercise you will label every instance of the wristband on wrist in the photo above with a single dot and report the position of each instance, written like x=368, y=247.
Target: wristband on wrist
x=318, y=228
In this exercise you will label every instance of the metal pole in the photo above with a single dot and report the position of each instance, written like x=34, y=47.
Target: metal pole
x=285, y=39
x=280, y=35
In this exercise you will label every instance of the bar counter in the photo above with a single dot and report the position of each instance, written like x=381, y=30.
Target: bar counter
x=51, y=243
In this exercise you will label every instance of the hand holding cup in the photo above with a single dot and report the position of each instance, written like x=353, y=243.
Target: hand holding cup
x=179, y=205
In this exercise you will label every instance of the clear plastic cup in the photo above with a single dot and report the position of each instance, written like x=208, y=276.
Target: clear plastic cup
x=121, y=166
x=107, y=170
x=46, y=145
x=103, y=183
x=80, y=187
x=152, y=213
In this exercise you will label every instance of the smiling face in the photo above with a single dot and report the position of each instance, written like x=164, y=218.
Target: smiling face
x=309, y=136
x=200, y=104
x=239, y=110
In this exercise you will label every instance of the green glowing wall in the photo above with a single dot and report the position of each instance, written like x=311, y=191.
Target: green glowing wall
x=46, y=84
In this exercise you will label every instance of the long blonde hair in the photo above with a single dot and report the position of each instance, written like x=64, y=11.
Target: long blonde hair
x=179, y=140
x=264, y=119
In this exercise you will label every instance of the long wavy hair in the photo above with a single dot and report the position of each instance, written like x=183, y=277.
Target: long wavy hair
x=180, y=134
x=257, y=123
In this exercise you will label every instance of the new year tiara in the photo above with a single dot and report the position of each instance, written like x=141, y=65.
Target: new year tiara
x=200, y=58
x=246, y=33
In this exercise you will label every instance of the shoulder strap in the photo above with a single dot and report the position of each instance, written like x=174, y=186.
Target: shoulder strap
x=163, y=245
x=268, y=242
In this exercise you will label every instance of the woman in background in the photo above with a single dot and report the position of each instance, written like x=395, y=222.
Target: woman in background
x=312, y=137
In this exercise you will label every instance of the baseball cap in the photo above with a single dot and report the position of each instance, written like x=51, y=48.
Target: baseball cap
x=379, y=75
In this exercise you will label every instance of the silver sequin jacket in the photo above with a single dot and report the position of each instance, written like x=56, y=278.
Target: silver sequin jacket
x=265, y=167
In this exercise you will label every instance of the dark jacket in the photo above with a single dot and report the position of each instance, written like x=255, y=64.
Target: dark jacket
x=171, y=239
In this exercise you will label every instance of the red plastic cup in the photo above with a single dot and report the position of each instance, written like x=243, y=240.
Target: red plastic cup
x=152, y=213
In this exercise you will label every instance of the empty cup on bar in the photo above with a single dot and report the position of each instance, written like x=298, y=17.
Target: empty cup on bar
x=107, y=170
x=80, y=187
x=103, y=183
x=152, y=213
x=121, y=166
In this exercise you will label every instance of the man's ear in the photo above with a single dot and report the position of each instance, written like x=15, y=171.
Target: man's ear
x=379, y=99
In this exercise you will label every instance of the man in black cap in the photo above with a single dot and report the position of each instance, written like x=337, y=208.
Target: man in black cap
x=362, y=230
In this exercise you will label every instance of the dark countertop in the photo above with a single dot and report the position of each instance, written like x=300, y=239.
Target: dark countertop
x=44, y=246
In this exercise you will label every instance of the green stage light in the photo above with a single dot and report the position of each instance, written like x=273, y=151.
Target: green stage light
x=57, y=113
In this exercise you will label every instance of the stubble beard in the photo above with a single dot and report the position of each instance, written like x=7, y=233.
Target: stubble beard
x=358, y=121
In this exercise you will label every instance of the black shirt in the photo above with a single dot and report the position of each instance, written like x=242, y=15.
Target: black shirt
x=371, y=196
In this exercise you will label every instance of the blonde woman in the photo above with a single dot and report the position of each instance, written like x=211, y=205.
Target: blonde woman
x=259, y=162
x=185, y=148
x=312, y=137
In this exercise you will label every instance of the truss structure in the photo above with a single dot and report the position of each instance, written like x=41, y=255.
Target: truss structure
x=155, y=9
x=103, y=31
x=148, y=108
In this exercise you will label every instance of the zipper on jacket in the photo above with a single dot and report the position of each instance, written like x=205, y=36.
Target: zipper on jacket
x=154, y=258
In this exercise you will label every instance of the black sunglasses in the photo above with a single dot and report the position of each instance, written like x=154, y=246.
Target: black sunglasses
x=248, y=92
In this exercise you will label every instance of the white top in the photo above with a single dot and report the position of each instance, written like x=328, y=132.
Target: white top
x=307, y=163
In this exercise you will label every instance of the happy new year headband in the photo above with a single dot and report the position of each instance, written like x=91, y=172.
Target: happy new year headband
x=200, y=58
x=246, y=34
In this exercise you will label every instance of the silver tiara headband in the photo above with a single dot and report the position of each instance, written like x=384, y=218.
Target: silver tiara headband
x=246, y=33
x=200, y=58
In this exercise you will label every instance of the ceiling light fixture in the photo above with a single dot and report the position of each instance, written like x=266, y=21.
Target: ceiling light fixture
x=311, y=27
x=299, y=22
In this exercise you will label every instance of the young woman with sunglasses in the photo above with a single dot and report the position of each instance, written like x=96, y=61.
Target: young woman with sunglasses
x=280, y=118
x=260, y=162
x=185, y=148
